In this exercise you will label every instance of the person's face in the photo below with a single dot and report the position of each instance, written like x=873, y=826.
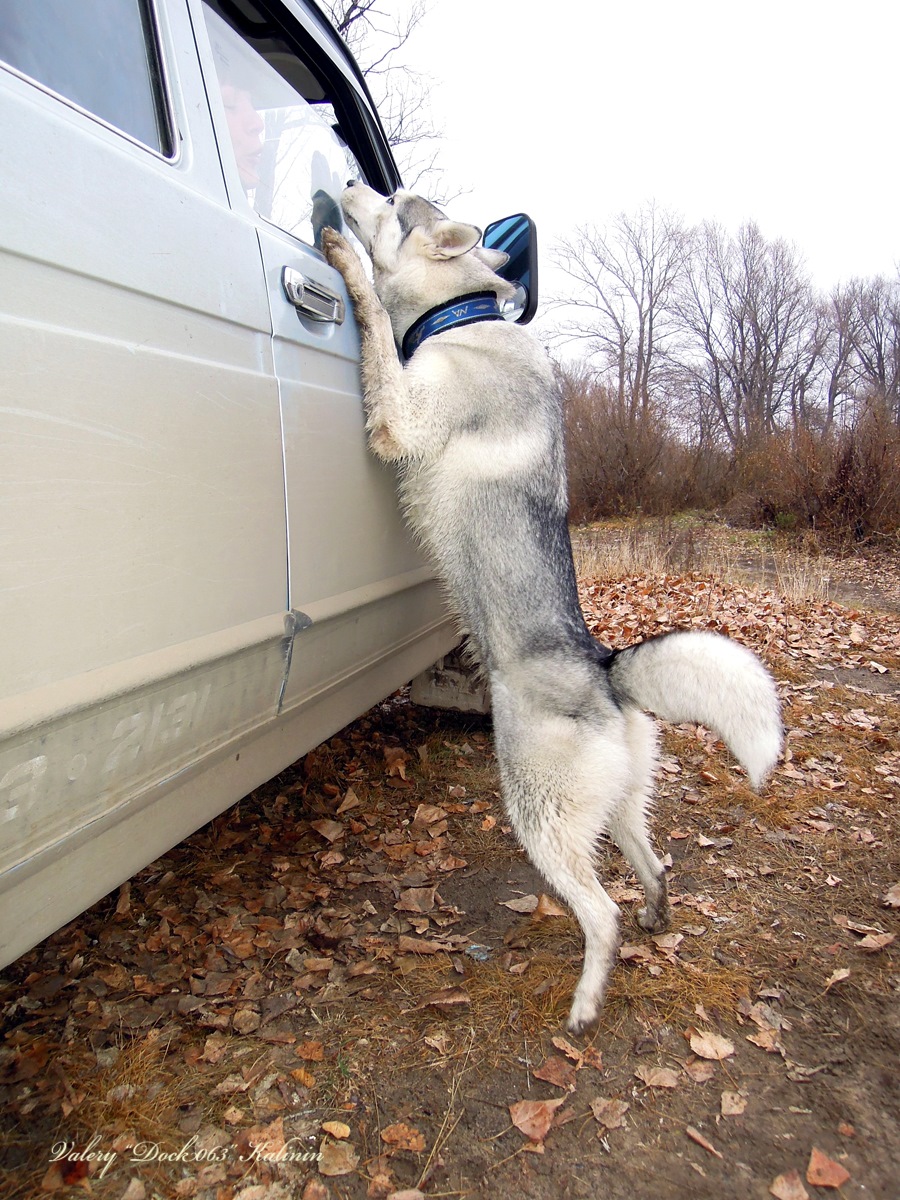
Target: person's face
x=246, y=127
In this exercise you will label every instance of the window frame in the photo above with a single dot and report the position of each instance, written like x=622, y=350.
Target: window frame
x=310, y=36
x=160, y=83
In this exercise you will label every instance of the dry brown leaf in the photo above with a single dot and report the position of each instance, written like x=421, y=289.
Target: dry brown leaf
x=766, y=1039
x=403, y=1137
x=837, y=976
x=568, y=1050
x=336, y=1129
x=337, y=1158
x=411, y=945
x=447, y=998
x=706, y=1044
x=417, y=900
x=891, y=898
x=657, y=1077
x=535, y=1117
x=696, y=1136
x=331, y=831
x=733, y=1104
x=547, y=907
x=593, y=1058
x=873, y=942
x=310, y=1051
x=557, y=1071
x=407, y=1194
x=396, y=758
x=523, y=904
x=788, y=1186
x=824, y=1171
x=609, y=1113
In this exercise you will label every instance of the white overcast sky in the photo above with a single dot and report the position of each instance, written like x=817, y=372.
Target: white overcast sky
x=785, y=113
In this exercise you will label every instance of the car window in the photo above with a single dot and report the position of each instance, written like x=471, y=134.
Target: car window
x=101, y=55
x=291, y=159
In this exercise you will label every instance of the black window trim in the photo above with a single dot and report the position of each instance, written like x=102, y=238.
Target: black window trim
x=360, y=124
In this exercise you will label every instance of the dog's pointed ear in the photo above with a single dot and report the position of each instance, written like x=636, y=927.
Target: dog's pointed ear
x=449, y=239
x=495, y=259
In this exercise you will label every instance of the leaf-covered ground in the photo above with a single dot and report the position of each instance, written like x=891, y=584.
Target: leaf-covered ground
x=353, y=984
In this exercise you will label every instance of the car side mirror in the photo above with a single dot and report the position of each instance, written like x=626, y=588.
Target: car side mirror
x=517, y=237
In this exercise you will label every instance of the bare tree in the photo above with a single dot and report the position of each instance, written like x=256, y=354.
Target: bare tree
x=837, y=321
x=377, y=32
x=876, y=338
x=747, y=306
x=625, y=276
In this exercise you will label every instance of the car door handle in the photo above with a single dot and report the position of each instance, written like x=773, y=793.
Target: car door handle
x=311, y=299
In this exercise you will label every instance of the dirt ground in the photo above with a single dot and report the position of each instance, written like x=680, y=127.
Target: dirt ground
x=353, y=984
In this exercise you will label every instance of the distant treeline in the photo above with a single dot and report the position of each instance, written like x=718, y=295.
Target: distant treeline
x=716, y=376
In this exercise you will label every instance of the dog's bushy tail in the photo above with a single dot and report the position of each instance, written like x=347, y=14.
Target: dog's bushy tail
x=704, y=677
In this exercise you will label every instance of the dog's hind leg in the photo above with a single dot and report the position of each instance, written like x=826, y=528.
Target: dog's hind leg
x=628, y=823
x=550, y=767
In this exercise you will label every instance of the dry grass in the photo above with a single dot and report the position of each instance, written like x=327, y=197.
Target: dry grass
x=660, y=547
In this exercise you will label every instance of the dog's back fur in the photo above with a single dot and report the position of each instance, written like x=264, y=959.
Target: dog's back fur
x=474, y=422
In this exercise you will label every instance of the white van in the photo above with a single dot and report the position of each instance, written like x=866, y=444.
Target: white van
x=203, y=572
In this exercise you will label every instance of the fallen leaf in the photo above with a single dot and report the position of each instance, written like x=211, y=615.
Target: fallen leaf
x=824, y=1171
x=609, y=1113
x=733, y=1104
x=696, y=1136
x=351, y=800
x=407, y=1194
x=337, y=1129
x=658, y=1077
x=337, y=1158
x=403, y=1137
x=710, y=1045
x=569, y=1050
x=788, y=1186
x=766, y=1039
x=876, y=941
x=837, y=977
x=700, y=1071
x=557, y=1071
x=329, y=830
x=395, y=758
x=447, y=998
x=524, y=904
x=593, y=1058
x=547, y=907
x=534, y=1117
x=891, y=898
x=310, y=1051
x=411, y=945
x=416, y=900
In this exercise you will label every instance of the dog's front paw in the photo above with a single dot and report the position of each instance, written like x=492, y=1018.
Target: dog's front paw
x=341, y=255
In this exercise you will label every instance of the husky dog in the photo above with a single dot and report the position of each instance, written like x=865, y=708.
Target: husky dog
x=473, y=422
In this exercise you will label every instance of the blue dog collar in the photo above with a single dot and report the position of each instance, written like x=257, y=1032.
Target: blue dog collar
x=464, y=310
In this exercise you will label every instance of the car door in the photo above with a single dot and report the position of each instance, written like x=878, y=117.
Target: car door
x=142, y=517
x=286, y=102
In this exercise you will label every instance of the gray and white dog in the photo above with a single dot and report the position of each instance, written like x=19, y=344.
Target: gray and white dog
x=473, y=422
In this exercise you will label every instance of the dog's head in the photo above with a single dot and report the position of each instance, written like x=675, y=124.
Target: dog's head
x=420, y=258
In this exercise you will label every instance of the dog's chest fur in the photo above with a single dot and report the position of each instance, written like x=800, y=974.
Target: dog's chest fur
x=489, y=498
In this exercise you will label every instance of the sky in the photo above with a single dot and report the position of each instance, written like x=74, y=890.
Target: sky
x=785, y=113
